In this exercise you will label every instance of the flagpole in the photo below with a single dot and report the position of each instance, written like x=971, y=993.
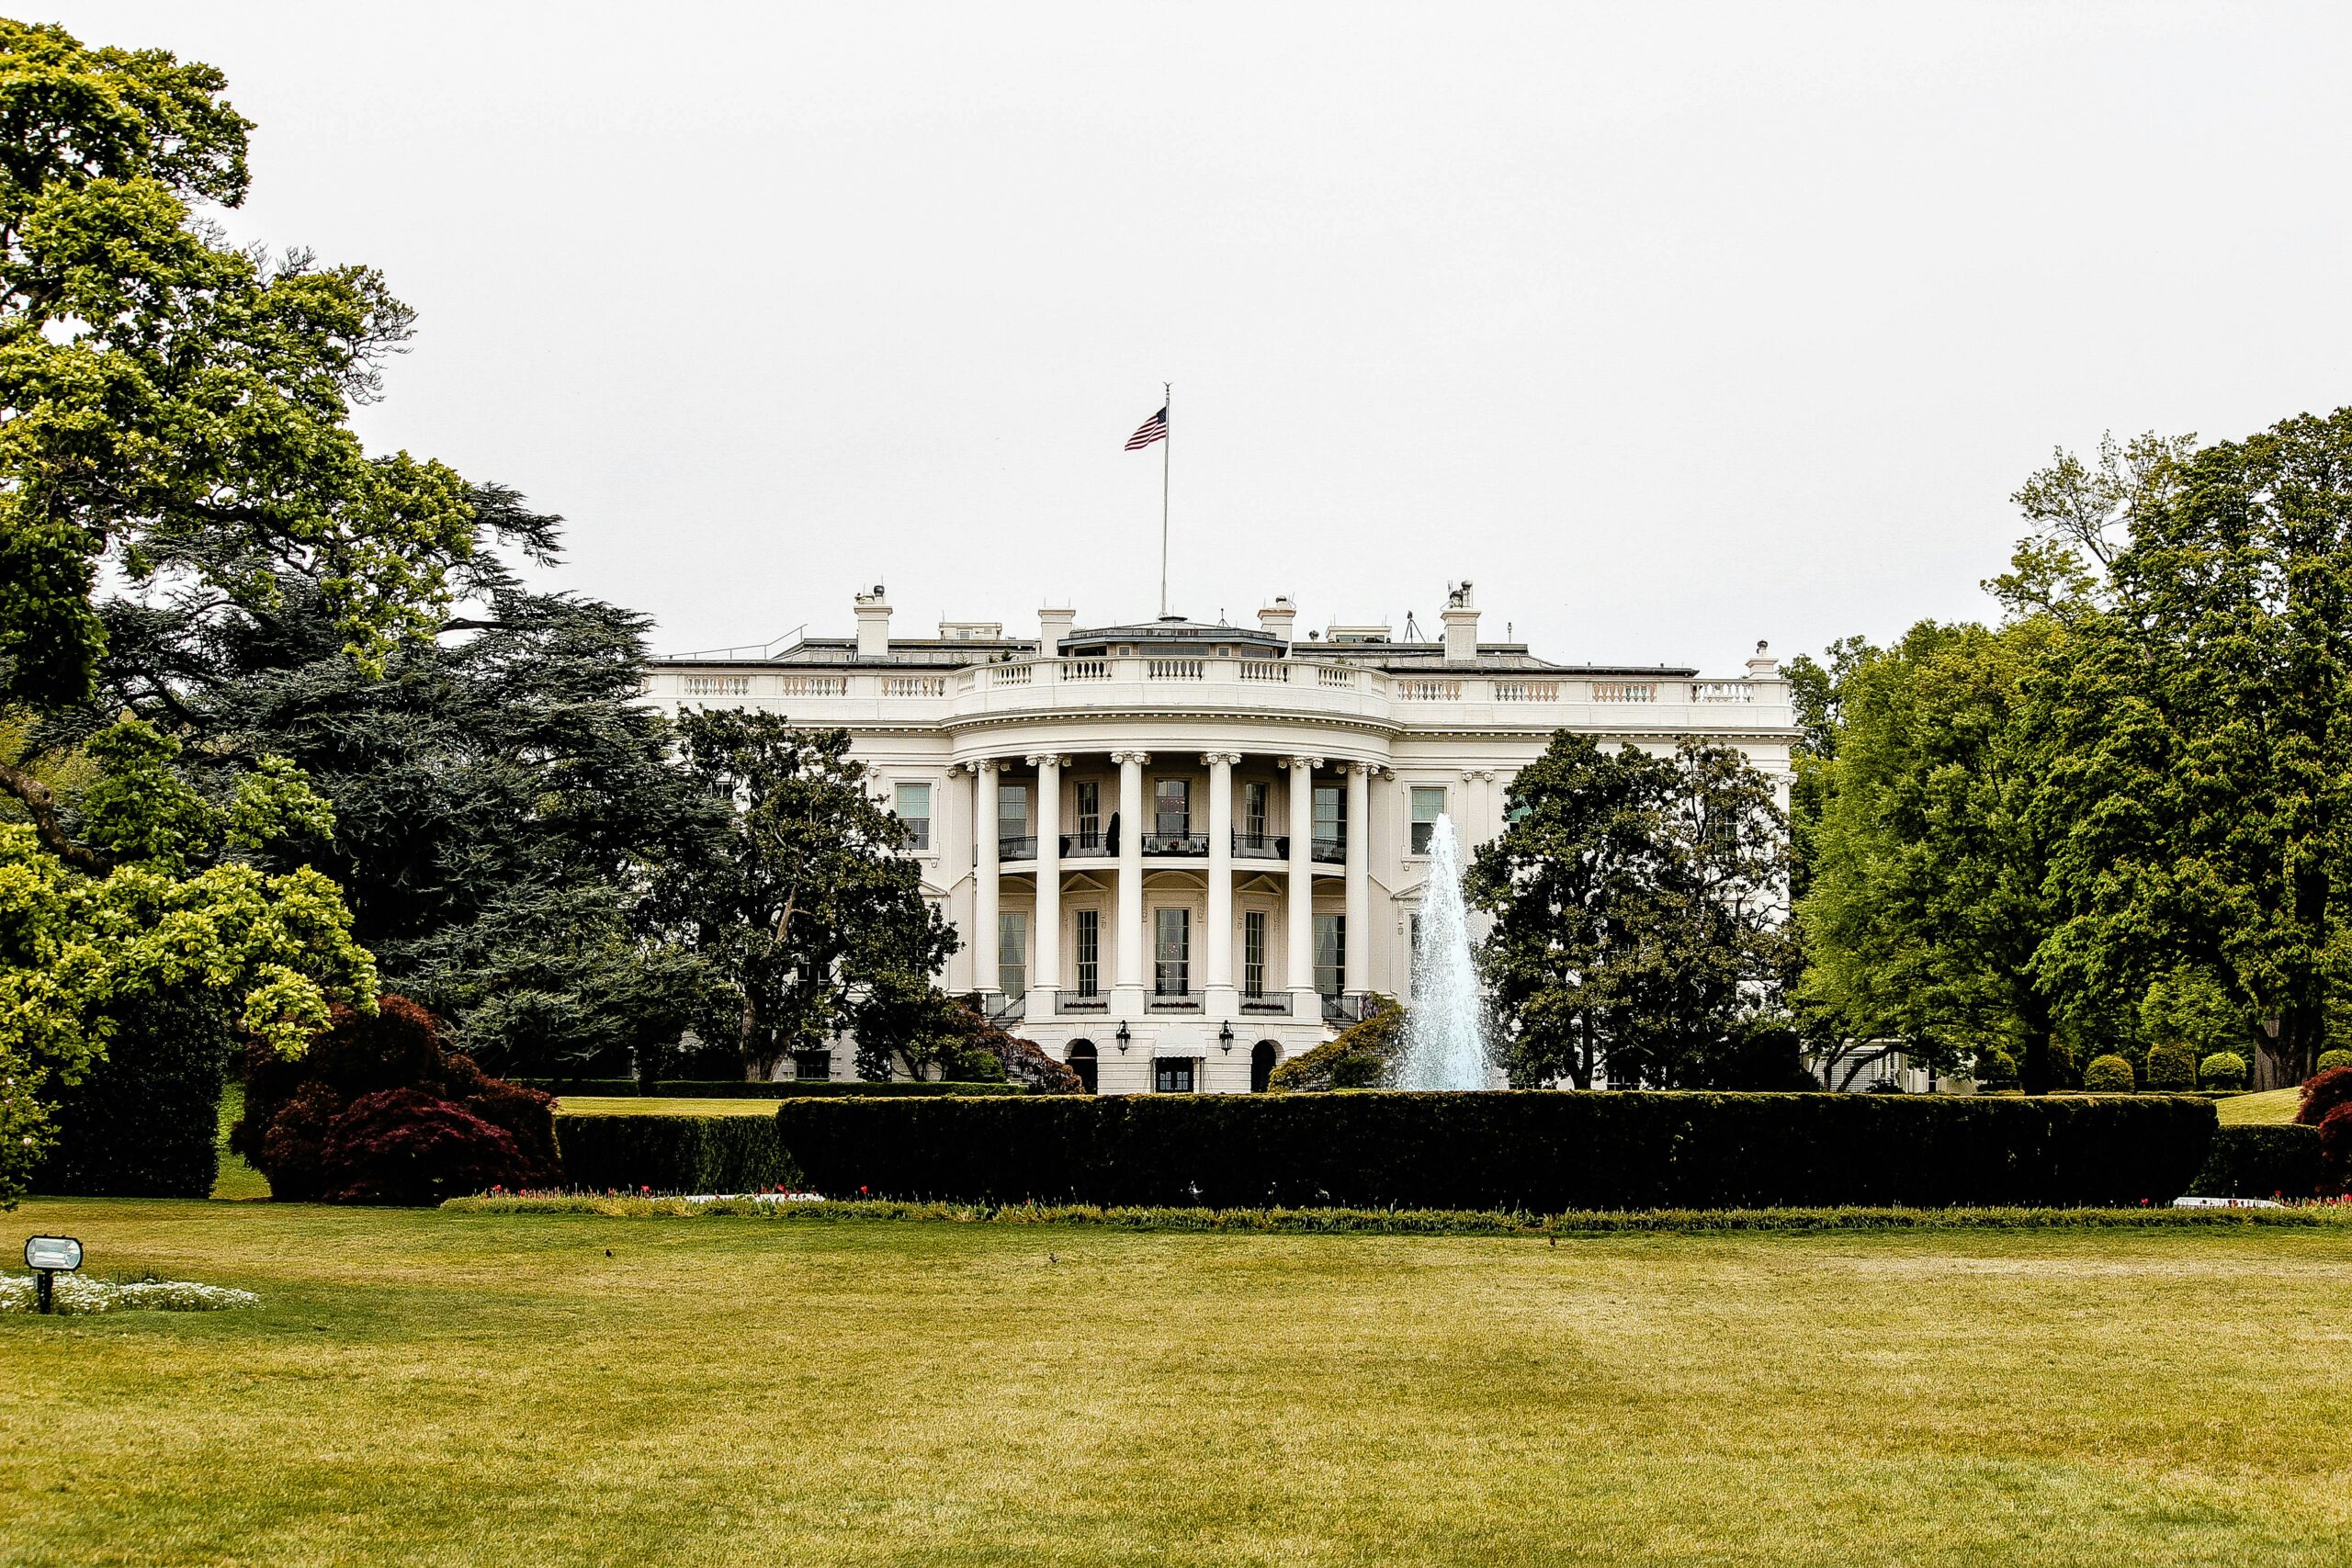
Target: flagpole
x=1166, y=441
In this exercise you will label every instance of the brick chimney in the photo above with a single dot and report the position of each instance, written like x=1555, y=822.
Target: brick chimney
x=1052, y=627
x=1277, y=618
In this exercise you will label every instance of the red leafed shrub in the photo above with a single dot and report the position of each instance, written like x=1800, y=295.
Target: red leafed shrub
x=2322, y=1092
x=376, y=1111
x=397, y=1145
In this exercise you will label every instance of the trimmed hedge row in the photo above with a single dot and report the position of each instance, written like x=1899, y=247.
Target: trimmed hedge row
x=1540, y=1151
x=671, y=1153
x=781, y=1088
x=2261, y=1162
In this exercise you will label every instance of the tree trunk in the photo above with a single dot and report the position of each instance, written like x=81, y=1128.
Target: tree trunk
x=2038, y=1073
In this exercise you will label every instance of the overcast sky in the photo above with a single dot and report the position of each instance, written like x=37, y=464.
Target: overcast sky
x=1672, y=327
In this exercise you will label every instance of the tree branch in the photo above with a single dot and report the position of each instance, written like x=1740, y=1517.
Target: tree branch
x=40, y=805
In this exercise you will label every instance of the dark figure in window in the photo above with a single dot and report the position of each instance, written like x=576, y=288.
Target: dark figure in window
x=1111, y=836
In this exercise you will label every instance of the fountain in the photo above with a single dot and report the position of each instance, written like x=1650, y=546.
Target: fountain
x=1444, y=1046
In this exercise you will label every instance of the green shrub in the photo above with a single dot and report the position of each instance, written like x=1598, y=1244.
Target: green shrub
x=2328, y=1059
x=671, y=1153
x=2261, y=1162
x=1995, y=1070
x=1362, y=1055
x=144, y=1122
x=2172, y=1067
x=2109, y=1074
x=1539, y=1150
x=781, y=1088
x=2223, y=1069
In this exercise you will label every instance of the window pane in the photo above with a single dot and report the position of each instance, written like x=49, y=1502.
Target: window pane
x=1012, y=809
x=1331, y=954
x=913, y=805
x=1171, y=802
x=1171, y=952
x=1253, y=808
x=1330, y=819
x=1089, y=953
x=1253, y=952
x=1428, y=804
x=1090, y=812
x=1012, y=953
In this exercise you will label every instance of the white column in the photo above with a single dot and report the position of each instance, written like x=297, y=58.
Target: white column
x=1220, y=996
x=1299, y=917
x=1129, y=987
x=1045, y=942
x=1359, y=935
x=984, y=877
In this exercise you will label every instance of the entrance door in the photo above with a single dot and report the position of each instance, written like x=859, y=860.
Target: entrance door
x=1172, y=1074
x=1263, y=1058
x=1081, y=1062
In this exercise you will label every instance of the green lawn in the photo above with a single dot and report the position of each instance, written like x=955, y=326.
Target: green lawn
x=431, y=1388
x=660, y=1105
x=2272, y=1106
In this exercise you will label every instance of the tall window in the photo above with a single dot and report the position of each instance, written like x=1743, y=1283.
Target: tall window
x=1331, y=954
x=913, y=805
x=1428, y=804
x=1172, y=807
x=1012, y=953
x=1011, y=811
x=1089, y=953
x=1090, y=812
x=1171, y=952
x=1331, y=816
x=1254, y=793
x=1253, y=952
x=1172, y=1074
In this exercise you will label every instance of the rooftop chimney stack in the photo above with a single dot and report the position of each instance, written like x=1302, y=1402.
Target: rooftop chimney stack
x=1763, y=667
x=1052, y=627
x=874, y=624
x=1461, y=625
x=1276, y=618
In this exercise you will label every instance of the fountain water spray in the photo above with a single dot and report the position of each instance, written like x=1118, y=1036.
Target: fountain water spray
x=1445, y=1045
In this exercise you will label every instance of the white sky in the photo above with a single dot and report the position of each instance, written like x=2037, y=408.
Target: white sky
x=1673, y=327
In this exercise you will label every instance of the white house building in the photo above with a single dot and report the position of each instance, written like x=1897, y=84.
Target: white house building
x=1181, y=853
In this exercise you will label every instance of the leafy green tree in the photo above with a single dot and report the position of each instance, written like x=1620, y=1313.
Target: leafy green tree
x=1925, y=907
x=502, y=797
x=1635, y=914
x=170, y=408
x=2199, y=798
x=803, y=908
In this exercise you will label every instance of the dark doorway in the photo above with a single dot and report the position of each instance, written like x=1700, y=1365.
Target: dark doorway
x=1081, y=1062
x=1264, y=1056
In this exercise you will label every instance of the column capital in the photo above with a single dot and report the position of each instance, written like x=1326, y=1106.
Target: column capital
x=1369, y=770
x=1040, y=758
x=1309, y=763
x=1141, y=759
x=977, y=766
x=1477, y=775
x=1210, y=759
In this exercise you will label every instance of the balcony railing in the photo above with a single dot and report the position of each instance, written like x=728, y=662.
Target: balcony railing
x=1173, y=1001
x=1345, y=1008
x=1022, y=846
x=1262, y=846
x=1274, y=1006
x=1176, y=843
x=1331, y=851
x=1084, y=846
x=1068, y=1003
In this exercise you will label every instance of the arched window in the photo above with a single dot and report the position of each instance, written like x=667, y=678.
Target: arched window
x=1264, y=1057
x=1081, y=1057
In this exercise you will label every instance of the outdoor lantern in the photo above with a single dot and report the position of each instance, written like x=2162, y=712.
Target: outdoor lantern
x=1123, y=1037
x=1225, y=1038
x=45, y=1254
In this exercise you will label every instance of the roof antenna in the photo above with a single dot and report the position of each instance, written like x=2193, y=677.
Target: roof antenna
x=1412, y=627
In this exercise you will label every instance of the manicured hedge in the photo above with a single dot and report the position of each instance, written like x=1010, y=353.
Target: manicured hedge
x=671, y=1153
x=1542, y=1151
x=781, y=1088
x=2261, y=1162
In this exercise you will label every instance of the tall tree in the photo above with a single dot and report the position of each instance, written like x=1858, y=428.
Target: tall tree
x=2201, y=792
x=1635, y=905
x=1926, y=908
x=804, y=909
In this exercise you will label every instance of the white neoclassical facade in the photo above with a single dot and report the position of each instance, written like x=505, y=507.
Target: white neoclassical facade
x=1180, y=853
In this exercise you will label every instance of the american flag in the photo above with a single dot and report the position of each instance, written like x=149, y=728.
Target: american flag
x=1151, y=430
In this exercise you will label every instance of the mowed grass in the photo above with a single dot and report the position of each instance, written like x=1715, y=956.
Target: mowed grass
x=660, y=1105
x=2272, y=1106
x=436, y=1388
